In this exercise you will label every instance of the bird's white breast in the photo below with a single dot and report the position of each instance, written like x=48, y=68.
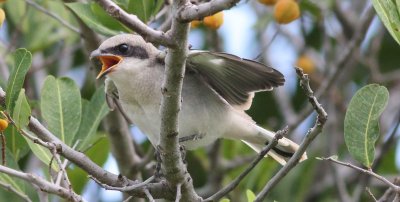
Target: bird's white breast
x=201, y=119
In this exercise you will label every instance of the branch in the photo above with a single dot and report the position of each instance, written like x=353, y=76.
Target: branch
x=389, y=193
x=134, y=23
x=42, y=184
x=368, y=172
x=310, y=136
x=124, y=189
x=168, y=148
x=221, y=193
x=196, y=12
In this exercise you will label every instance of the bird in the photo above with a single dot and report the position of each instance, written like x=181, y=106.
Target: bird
x=217, y=90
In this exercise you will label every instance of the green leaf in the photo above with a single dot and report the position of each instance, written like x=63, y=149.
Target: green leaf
x=22, y=110
x=106, y=19
x=18, y=11
x=14, y=182
x=97, y=19
x=144, y=9
x=157, y=6
x=389, y=13
x=139, y=8
x=61, y=107
x=361, y=123
x=20, y=143
x=22, y=62
x=250, y=196
x=93, y=113
x=224, y=200
x=15, y=141
x=122, y=3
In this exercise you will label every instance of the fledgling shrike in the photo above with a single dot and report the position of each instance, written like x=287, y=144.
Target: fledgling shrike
x=217, y=88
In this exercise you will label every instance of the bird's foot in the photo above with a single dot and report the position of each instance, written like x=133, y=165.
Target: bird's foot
x=157, y=154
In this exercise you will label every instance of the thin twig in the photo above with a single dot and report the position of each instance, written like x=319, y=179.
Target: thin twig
x=13, y=190
x=389, y=193
x=148, y=195
x=178, y=193
x=26, y=134
x=128, y=199
x=53, y=15
x=369, y=172
x=223, y=192
x=61, y=167
x=65, y=164
x=265, y=48
x=42, y=183
x=309, y=137
x=51, y=146
x=126, y=188
x=3, y=149
x=370, y=193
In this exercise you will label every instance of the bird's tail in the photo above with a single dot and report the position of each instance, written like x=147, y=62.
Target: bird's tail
x=281, y=152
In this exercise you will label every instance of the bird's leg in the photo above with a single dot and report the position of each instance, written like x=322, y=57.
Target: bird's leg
x=283, y=132
x=157, y=154
x=183, y=153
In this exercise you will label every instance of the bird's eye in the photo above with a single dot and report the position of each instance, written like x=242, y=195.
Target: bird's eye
x=123, y=48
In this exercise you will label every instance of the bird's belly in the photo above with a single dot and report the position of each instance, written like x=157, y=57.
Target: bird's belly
x=197, y=128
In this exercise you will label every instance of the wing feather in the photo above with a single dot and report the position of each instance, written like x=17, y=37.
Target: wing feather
x=233, y=78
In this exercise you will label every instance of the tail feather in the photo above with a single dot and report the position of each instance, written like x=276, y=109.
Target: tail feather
x=256, y=137
x=282, y=159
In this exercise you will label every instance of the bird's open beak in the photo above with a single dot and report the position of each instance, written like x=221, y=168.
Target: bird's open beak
x=108, y=61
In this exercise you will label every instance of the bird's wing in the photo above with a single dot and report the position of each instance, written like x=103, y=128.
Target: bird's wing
x=233, y=78
x=111, y=93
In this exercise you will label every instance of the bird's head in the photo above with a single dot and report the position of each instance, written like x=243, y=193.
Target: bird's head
x=124, y=53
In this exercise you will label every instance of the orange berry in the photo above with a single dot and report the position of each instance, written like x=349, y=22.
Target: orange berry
x=306, y=63
x=2, y=16
x=195, y=24
x=3, y=125
x=268, y=2
x=2, y=1
x=214, y=21
x=286, y=11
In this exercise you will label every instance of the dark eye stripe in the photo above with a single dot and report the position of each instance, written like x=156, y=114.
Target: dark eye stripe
x=133, y=51
x=139, y=52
